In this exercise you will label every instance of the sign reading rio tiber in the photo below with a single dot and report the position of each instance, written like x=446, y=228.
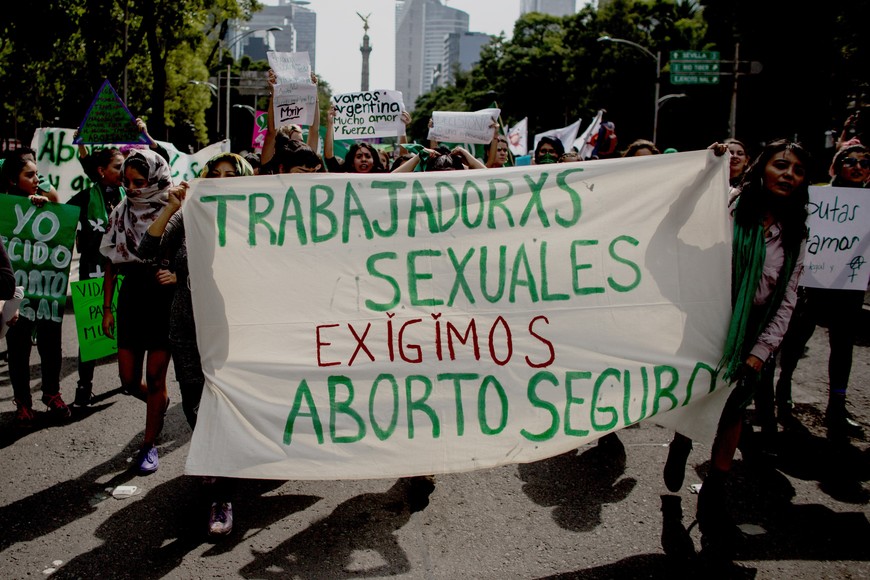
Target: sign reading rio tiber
x=455, y=319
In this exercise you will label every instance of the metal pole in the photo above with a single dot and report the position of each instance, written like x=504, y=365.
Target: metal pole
x=732, y=121
x=658, y=89
x=217, y=111
x=227, y=127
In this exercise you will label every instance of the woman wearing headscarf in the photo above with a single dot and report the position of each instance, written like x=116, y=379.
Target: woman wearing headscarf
x=145, y=295
x=165, y=238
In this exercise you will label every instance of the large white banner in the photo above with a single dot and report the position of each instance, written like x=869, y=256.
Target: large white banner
x=373, y=326
x=57, y=159
x=839, y=239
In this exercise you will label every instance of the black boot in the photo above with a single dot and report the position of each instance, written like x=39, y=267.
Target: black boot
x=840, y=425
x=676, y=541
x=83, y=394
x=718, y=531
x=675, y=466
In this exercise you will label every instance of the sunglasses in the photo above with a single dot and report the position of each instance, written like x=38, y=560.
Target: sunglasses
x=852, y=162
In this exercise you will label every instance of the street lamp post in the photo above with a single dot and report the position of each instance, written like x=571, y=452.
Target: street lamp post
x=657, y=57
x=228, y=47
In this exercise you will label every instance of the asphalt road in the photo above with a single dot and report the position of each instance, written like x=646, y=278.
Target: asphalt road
x=592, y=513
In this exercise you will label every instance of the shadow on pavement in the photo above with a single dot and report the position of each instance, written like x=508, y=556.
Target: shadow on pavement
x=54, y=507
x=578, y=485
x=357, y=540
x=658, y=566
x=150, y=537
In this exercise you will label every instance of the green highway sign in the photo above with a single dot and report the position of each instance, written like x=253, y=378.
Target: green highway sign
x=694, y=67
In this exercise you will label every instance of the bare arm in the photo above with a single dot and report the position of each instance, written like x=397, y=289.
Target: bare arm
x=269, y=141
x=406, y=119
x=328, y=139
x=493, y=146
x=314, y=128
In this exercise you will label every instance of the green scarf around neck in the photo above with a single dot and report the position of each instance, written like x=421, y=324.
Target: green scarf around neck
x=98, y=217
x=747, y=263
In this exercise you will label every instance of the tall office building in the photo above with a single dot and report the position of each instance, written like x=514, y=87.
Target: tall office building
x=461, y=52
x=298, y=31
x=421, y=29
x=552, y=7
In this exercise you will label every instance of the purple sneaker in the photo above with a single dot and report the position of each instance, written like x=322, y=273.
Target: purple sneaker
x=146, y=460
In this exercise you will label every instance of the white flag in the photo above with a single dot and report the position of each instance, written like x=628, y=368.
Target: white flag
x=585, y=143
x=566, y=135
x=518, y=137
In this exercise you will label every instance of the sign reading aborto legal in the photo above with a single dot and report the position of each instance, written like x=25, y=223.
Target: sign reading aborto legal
x=374, y=326
x=468, y=127
x=368, y=114
x=294, y=98
x=838, y=245
x=39, y=242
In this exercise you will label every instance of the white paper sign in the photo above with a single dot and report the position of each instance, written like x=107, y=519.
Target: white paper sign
x=368, y=114
x=294, y=103
x=837, y=247
x=352, y=326
x=290, y=67
x=459, y=127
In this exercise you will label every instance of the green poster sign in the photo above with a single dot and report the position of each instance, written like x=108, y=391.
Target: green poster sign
x=109, y=121
x=39, y=242
x=87, y=298
x=694, y=67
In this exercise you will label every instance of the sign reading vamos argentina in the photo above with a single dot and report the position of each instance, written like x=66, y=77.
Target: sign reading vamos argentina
x=371, y=326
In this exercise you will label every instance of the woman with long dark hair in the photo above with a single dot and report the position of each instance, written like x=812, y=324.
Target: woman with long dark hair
x=770, y=212
x=20, y=178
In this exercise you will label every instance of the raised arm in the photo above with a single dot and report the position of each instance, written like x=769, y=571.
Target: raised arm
x=314, y=128
x=269, y=142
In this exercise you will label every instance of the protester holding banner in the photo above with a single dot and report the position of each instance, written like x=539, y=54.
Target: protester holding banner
x=548, y=150
x=95, y=204
x=293, y=131
x=44, y=188
x=361, y=157
x=640, y=148
x=768, y=249
x=839, y=310
x=20, y=178
x=145, y=296
x=739, y=161
x=165, y=238
x=499, y=150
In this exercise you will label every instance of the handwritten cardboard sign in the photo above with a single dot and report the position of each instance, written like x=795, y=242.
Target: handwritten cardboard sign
x=466, y=127
x=838, y=245
x=294, y=103
x=450, y=321
x=109, y=121
x=39, y=242
x=368, y=114
x=290, y=67
x=87, y=299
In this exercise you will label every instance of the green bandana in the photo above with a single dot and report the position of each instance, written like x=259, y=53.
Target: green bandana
x=98, y=216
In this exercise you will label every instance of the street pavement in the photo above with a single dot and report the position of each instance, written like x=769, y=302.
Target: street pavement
x=593, y=513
